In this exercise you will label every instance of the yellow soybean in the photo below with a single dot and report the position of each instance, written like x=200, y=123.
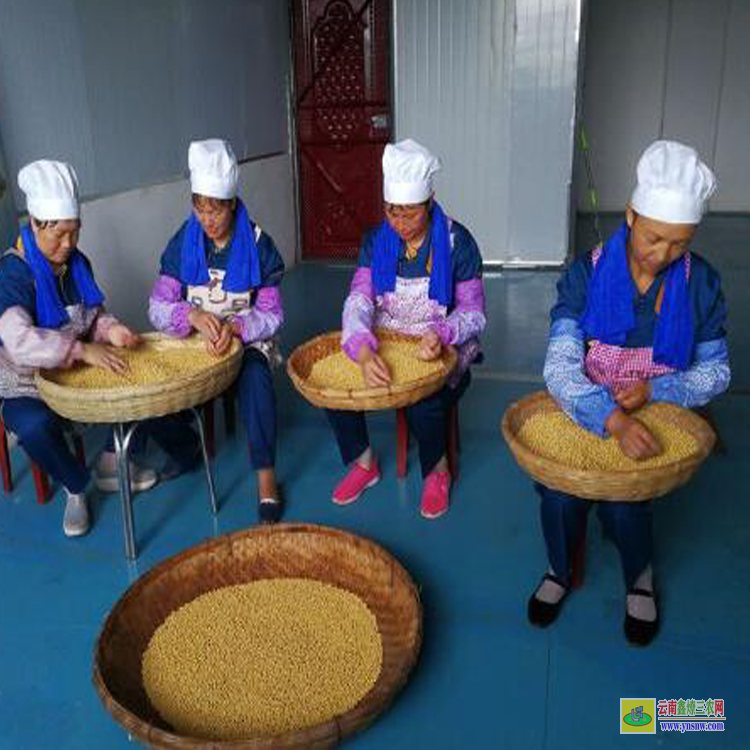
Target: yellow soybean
x=555, y=436
x=338, y=371
x=262, y=658
x=147, y=365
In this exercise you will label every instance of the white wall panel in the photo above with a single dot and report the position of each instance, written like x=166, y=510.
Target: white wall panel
x=667, y=69
x=732, y=159
x=694, y=73
x=489, y=85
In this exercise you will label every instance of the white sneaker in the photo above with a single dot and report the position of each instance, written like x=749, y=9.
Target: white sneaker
x=106, y=479
x=76, y=518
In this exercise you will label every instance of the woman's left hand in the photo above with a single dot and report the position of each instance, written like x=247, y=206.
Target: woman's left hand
x=121, y=336
x=635, y=396
x=430, y=346
x=223, y=342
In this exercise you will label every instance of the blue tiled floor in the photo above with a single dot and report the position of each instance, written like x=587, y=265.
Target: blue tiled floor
x=485, y=679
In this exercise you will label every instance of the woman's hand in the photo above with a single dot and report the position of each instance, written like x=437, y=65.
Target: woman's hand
x=374, y=369
x=635, y=396
x=635, y=439
x=121, y=336
x=223, y=342
x=430, y=346
x=100, y=355
x=207, y=324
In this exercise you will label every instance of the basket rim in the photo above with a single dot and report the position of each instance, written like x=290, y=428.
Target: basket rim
x=355, y=394
x=119, y=393
x=134, y=724
x=701, y=431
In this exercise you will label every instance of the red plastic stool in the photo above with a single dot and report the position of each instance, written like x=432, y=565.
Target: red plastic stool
x=402, y=442
x=41, y=480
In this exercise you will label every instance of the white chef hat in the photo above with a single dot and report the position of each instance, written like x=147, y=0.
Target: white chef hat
x=673, y=184
x=213, y=168
x=407, y=172
x=51, y=189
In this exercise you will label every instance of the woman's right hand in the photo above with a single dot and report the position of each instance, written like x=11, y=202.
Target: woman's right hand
x=635, y=439
x=207, y=324
x=374, y=369
x=101, y=355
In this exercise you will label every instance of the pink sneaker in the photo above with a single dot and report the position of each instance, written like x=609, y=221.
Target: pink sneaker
x=435, y=493
x=355, y=483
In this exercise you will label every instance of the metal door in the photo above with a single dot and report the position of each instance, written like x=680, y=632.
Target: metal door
x=343, y=120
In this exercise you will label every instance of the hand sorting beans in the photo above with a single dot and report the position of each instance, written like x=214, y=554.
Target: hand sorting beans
x=404, y=366
x=555, y=436
x=145, y=365
x=262, y=658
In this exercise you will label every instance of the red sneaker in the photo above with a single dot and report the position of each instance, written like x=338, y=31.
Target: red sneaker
x=355, y=483
x=435, y=494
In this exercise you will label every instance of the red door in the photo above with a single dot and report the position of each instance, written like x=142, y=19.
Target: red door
x=343, y=119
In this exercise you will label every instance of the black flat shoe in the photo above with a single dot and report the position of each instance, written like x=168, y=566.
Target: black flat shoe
x=542, y=613
x=640, y=632
x=270, y=509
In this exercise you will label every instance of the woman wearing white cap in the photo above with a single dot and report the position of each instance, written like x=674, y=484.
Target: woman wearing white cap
x=220, y=276
x=419, y=272
x=52, y=315
x=638, y=319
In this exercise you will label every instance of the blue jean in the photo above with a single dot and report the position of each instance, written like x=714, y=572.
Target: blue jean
x=258, y=408
x=40, y=431
x=427, y=420
x=629, y=525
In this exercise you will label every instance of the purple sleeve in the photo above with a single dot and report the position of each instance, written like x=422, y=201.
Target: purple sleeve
x=167, y=310
x=467, y=320
x=264, y=318
x=359, y=311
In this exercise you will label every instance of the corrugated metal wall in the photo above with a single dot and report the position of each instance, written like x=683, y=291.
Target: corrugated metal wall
x=490, y=85
x=674, y=69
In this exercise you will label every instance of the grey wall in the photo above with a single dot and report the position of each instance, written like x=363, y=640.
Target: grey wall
x=673, y=69
x=490, y=86
x=120, y=88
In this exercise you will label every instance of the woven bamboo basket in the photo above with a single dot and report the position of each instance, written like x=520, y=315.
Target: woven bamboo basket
x=282, y=551
x=635, y=485
x=130, y=403
x=393, y=396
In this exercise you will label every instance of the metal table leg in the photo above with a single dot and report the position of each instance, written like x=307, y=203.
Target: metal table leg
x=206, y=462
x=122, y=448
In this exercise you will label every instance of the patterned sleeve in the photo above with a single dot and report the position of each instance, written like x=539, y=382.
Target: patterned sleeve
x=585, y=402
x=359, y=306
x=265, y=317
x=467, y=319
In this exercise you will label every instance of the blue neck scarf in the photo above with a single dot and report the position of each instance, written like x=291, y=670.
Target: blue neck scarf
x=388, y=247
x=610, y=313
x=243, y=266
x=50, y=310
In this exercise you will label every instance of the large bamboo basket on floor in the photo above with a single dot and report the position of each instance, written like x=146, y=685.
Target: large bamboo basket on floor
x=635, y=485
x=133, y=402
x=395, y=396
x=283, y=551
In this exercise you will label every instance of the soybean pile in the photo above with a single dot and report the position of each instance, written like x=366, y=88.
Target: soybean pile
x=338, y=371
x=262, y=658
x=148, y=364
x=554, y=435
